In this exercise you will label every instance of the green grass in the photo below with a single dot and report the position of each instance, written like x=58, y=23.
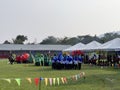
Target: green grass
x=96, y=78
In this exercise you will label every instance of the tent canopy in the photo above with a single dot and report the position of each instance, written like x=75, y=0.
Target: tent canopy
x=112, y=45
x=75, y=47
x=92, y=45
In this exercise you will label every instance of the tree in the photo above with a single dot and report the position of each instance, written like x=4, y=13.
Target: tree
x=6, y=42
x=63, y=40
x=49, y=40
x=73, y=41
x=85, y=39
x=20, y=39
x=109, y=36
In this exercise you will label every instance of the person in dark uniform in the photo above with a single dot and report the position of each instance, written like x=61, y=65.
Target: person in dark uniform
x=61, y=58
x=70, y=64
x=11, y=59
x=54, y=60
x=64, y=61
x=67, y=62
x=75, y=62
x=79, y=61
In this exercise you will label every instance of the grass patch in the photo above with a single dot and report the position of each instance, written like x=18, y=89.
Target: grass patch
x=96, y=78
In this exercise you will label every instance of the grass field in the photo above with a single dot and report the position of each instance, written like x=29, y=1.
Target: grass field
x=96, y=78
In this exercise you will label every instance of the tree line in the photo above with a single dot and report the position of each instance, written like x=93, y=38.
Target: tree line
x=20, y=39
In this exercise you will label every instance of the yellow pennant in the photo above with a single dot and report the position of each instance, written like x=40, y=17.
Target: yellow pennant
x=62, y=80
x=8, y=80
x=29, y=80
x=46, y=81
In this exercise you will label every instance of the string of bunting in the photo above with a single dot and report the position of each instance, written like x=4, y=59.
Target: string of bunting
x=47, y=81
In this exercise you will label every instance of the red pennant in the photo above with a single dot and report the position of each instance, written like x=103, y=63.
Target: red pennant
x=65, y=79
x=36, y=81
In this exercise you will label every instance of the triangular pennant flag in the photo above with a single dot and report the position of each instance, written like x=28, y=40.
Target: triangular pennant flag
x=29, y=80
x=36, y=81
x=18, y=81
x=62, y=80
x=46, y=81
x=83, y=74
x=65, y=79
x=50, y=80
x=76, y=77
x=73, y=77
x=54, y=80
x=41, y=78
x=58, y=81
x=8, y=80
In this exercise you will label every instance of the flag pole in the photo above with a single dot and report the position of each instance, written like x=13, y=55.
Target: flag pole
x=40, y=83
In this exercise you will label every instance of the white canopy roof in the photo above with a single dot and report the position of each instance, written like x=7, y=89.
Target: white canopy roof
x=91, y=46
x=111, y=45
x=75, y=47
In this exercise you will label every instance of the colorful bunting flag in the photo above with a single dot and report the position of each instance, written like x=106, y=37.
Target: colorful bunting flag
x=8, y=80
x=46, y=81
x=76, y=77
x=73, y=77
x=54, y=80
x=18, y=81
x=29, y=80
x=58, y=81
x=62, y=80
x=65, y=80
x=50, y=80
x=36, y=81
x=83, y=73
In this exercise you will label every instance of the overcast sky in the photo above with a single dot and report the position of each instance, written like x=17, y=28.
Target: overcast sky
x=38, y=19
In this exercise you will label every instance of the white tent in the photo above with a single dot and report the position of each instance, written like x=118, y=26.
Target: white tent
x=75, y=47
x=113, y=45
x=92, y=45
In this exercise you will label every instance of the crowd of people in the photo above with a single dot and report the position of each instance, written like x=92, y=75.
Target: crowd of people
x=67, y=61
x=71, y=61
x=104, y=60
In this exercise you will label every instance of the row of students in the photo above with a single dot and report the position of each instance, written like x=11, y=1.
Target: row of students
x=67, y=62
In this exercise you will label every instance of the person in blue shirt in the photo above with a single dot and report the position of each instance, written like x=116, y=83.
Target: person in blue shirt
x=54, y=60
x=61, y=57
x=75, y=62
x=64, y=62
x=69, y=62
